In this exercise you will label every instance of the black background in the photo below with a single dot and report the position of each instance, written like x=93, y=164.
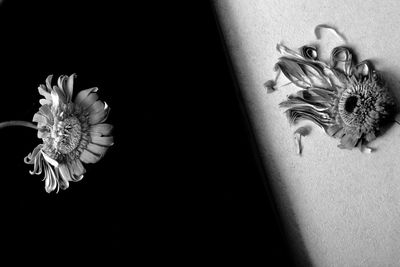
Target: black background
x=182, y=182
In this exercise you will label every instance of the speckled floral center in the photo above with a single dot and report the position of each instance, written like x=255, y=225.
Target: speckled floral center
x=363, y=104
x=64, y=138
x=66, y=135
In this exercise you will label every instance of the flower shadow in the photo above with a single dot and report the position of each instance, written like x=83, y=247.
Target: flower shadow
x=392, y=81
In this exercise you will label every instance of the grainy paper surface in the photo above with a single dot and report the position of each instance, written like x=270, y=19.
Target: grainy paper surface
x=346, y=204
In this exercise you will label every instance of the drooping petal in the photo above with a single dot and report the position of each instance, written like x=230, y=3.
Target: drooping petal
x=102, y=129
x=83, y=94
x=37, y=167
x=36, y=159
x=65, y=175
x=102, y=140
x=50, y=160
x=50, y=178
x=31, y=156
x=77, y=170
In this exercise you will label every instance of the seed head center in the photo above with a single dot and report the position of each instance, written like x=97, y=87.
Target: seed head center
x=66, y=134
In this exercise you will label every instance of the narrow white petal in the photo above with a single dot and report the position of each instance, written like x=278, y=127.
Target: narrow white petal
x=50, y=160
x=70, y=86
x=55, y=100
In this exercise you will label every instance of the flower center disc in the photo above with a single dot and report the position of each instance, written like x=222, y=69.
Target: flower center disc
x=67, y=135
x=350, y=104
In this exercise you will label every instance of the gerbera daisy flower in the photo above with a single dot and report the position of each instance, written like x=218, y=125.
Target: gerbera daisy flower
x=350, y=102
x=73, y=132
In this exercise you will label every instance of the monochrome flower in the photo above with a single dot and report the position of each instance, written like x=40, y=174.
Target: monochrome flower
x=73, y=132
x=350, y=102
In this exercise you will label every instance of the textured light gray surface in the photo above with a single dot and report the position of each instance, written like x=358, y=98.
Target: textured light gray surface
x=345, y=204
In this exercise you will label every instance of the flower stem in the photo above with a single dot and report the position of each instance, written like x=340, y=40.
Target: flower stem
x=17, y=123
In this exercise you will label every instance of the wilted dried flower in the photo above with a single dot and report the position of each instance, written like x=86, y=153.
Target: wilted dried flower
x=72, y=133
x=349, y=102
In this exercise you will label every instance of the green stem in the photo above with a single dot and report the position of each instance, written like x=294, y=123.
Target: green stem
x=17, y=123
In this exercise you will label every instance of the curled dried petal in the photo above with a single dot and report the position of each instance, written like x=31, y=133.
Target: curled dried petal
x=301, y=131
x=318, y=28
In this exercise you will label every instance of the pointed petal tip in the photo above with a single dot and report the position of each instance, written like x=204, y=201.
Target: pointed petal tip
x=48, y=81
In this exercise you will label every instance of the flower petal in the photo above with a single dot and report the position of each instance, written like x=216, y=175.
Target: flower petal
x=270, y=86
x=55, y=100
x=99, y=117
x=83, y=94
x=46, y=112
x=348, y=141
x=77, y=170
x=101, y=129
x=89, y=157
x=50, y=178
x=97, y=149
x=65, y=176
x=363, y=69
x=61, y=81
x=69, y=89
x=60, y=93
x=42, y=133
x=44, y=92
x=48, y=82
x=44, y=102
x=62, y=84
x=97, y=106
x=40, y=119
x=37, y=167
x=89, y=100
x=50, y=160
x=31, y=156
x=103, y=140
